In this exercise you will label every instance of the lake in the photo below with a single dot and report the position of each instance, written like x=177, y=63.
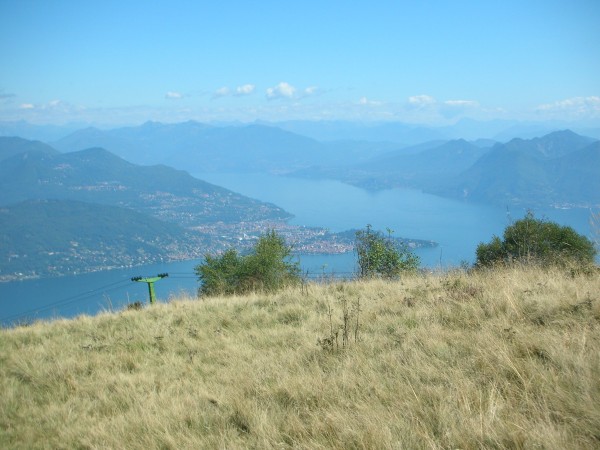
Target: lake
x=457, y=227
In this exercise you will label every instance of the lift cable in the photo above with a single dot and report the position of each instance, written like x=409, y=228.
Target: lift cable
x=68, y=300
x=113, y=286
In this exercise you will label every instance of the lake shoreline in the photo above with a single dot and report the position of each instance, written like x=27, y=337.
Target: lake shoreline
x=457, y=227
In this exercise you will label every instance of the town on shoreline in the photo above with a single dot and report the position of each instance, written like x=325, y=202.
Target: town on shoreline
x=204, y=239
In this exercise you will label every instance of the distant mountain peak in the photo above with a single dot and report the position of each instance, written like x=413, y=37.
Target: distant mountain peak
x=97, y=152
x=561, y=134
x=11, y=146
x=150, y=124
x=560, y=143
x=551, y=145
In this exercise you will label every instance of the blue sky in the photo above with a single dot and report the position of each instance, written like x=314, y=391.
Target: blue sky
x=125, y=62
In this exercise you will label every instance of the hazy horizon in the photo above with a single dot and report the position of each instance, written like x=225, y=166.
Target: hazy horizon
x=429, y=63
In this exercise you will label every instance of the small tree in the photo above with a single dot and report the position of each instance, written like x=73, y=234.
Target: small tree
x=537, y=241
x=595, y=226
x=267, y=267
x=219, y=275
x=379, y=256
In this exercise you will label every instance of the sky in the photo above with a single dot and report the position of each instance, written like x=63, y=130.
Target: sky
x=427, y=61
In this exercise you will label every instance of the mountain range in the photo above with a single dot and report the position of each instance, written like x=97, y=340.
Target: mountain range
x=201, y=148
x=412, y=134
x=96, y=175
x=552, y=169
x=560, y=169
x=404, y=134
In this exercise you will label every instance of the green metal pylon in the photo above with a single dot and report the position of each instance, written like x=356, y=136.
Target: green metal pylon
x=150, y=281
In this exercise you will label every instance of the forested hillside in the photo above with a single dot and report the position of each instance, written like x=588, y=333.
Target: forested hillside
x=57, y=237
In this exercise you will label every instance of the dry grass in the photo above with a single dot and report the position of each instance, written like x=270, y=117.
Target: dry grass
x=502, y=359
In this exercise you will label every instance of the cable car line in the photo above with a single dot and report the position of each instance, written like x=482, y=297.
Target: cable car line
x=68, y=300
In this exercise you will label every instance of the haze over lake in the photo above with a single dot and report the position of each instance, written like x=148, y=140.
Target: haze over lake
x=456, y=226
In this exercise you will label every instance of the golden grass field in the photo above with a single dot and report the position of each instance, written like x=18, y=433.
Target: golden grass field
x=508, y=358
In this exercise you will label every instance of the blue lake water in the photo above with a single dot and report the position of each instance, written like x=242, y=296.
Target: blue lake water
x=457, y=226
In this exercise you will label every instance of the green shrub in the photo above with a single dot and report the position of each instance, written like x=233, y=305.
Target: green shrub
x=532, y=240
x=267, y=267
x=380, y=256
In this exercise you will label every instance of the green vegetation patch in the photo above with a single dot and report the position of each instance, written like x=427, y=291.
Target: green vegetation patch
x=536, y=241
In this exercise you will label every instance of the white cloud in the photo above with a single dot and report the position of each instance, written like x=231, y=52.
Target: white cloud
x=575, y=106
x=461, y=103
x=58, y=105
x=221, y=92
x=245, y=89
x=282, y=90
x=26, y=106
x=171, y=95
x=311, y=90
x=421, y=101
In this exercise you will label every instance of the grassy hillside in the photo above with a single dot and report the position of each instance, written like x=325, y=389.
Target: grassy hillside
x=505, y=359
